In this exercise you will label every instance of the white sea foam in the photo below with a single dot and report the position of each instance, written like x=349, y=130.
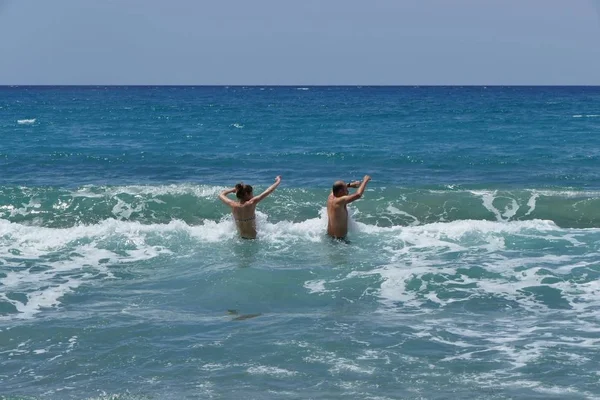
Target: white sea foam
x=517, y=342
x=31, y=208
x=124, y=210
x=214, y=367
x=569, y=193
x=488, y=199
x=338, y=364
x=561, y=391
x=269, y=370
x=89, y=249
x=161, y=190
x=21, y=243
x=394, y=211
x=586, y=115
x=531, y=202
x=403, y=254
x=311, y=230
x=413, y=254
x=316, y=286
x=511, y=280
x=26, y=121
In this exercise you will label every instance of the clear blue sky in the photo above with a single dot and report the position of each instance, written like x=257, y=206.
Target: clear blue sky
x=300, y=42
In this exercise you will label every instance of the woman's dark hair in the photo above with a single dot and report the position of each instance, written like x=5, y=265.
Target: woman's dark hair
x=242, y=191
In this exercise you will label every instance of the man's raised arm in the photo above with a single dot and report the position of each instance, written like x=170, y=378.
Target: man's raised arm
x=358, y=194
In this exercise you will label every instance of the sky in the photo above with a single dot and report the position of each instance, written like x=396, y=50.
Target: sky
x=300, y=42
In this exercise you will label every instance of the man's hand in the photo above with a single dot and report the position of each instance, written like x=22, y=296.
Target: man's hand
x=278, y=179
x=367, y=178
x=354, y=184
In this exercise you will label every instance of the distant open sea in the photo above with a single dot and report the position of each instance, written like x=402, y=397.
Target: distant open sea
x=472, y=271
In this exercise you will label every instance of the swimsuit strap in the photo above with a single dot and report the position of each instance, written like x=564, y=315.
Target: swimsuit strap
x=245, y=219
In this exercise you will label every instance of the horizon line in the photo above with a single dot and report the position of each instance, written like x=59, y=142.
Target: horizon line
x=298, y=85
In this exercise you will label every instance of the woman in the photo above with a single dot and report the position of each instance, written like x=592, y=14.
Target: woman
x=244, y=210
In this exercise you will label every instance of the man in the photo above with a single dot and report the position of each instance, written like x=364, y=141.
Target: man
x=337, y=213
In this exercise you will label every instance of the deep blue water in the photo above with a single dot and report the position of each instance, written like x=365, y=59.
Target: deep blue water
x=472, y=270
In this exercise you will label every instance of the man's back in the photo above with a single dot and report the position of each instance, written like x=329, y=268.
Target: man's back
x=337, y=215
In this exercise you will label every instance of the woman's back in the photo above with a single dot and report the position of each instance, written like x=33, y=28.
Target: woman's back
x=245, y=219
x=244, y=211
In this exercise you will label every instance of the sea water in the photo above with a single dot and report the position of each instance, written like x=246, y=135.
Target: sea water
x=472, y=268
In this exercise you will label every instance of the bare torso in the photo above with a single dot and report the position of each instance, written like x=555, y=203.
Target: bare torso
x=245, y=219
x=337, y=215
x=244, y=211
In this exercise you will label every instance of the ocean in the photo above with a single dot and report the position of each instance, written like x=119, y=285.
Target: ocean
x=472, y=269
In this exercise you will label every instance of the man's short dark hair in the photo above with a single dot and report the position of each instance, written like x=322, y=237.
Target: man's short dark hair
x=338, y=186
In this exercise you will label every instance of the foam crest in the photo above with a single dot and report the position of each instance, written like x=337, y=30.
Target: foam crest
x=531, y=203
x=311, y=230
x=394, y=207
x=269, y=370
x=124, y=210
x=462, y=261
x=514, y=343
x=80, y=254
x=203, y=191
x=488, y=199
x=394, y=211
x=458, y=229
x=406, y=255
x=26, y=121
x=505, y=266
x=213, y=231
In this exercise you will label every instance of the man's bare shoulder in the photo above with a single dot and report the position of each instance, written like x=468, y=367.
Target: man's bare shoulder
x=336, y=201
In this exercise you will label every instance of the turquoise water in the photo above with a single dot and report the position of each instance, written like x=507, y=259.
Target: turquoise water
x=472, y=271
